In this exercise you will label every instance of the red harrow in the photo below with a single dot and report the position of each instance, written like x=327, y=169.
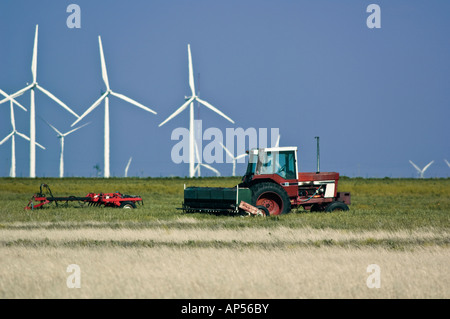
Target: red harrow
x=116, y=199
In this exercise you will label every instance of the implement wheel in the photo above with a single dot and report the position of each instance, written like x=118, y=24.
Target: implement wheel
x=128, y=205
x=271, y=196
x=264, y=210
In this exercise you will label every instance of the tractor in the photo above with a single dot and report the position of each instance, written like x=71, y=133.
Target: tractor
x=271, y=185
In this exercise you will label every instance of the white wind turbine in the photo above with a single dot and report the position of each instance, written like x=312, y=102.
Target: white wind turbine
x=106, y=98
x=199, y=164
x=32, y=88
x=61, y=136
x=233, y=157
x=14, y=132
x=190, y=101
x=421, y=171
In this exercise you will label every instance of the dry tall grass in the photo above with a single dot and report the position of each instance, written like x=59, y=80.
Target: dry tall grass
x=277, y=235
x=244, y=271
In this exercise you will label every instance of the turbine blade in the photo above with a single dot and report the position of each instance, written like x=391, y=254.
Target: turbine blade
x=7, y=137
x=54, y=98
x=178, y=111
x=9, y=98
x=211, y=168
x=227, y=151
x=28, y=139
x=448, y=164
x=89, y=110
x=415, y=166
x=75, y=129
x=128, y=164
x=127, y=99
x=277, y=144
x=37, y=144
x=54, y=128
x=102, y=60
x=214, y=109
x=191, y=72
x=18, y=93
x=34, y=59
x=23, y=136
x=428, y=165
x=241, y=156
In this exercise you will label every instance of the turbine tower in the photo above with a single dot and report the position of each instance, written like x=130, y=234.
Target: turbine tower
x=190, y=102
x=233, y=157
x=14, y=132
x=61, y=136
x=421, y=171
x=32, y=88
x=105, y=97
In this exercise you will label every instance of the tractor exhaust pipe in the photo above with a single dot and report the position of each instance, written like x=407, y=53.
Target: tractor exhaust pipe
x=318, y=156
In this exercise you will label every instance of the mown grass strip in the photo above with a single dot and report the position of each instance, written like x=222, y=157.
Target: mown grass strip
x=395, y=244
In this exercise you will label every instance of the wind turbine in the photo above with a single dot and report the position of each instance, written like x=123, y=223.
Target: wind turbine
x=190, y=102
x=233, y=158
x=199, y=164
x=32, y=88
x=128, y=166
x=448, y=164
x=12, y=172
x=105, y=96
x=61, y=136
x=421, y=171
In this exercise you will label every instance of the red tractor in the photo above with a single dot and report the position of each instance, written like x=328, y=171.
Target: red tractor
x=271, y=185
x=276, y=185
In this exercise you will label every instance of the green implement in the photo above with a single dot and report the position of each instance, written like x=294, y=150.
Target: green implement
x=215, y=199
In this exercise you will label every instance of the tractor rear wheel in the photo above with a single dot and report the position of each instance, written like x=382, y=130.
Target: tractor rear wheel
x=271, y=196
x=338, y=206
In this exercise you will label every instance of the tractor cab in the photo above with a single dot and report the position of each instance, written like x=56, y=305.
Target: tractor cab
x=275, y=160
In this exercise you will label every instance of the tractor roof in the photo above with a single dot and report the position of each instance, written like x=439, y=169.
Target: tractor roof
x=274, y=149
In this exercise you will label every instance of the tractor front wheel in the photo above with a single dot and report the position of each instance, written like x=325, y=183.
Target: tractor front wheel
x=336, y=206
x=271, y=196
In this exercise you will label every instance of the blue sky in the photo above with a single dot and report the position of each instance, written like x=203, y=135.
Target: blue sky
x=376, y=97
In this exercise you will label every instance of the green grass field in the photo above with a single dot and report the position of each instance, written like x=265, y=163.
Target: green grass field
x=157, y=251
x=389, y=204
